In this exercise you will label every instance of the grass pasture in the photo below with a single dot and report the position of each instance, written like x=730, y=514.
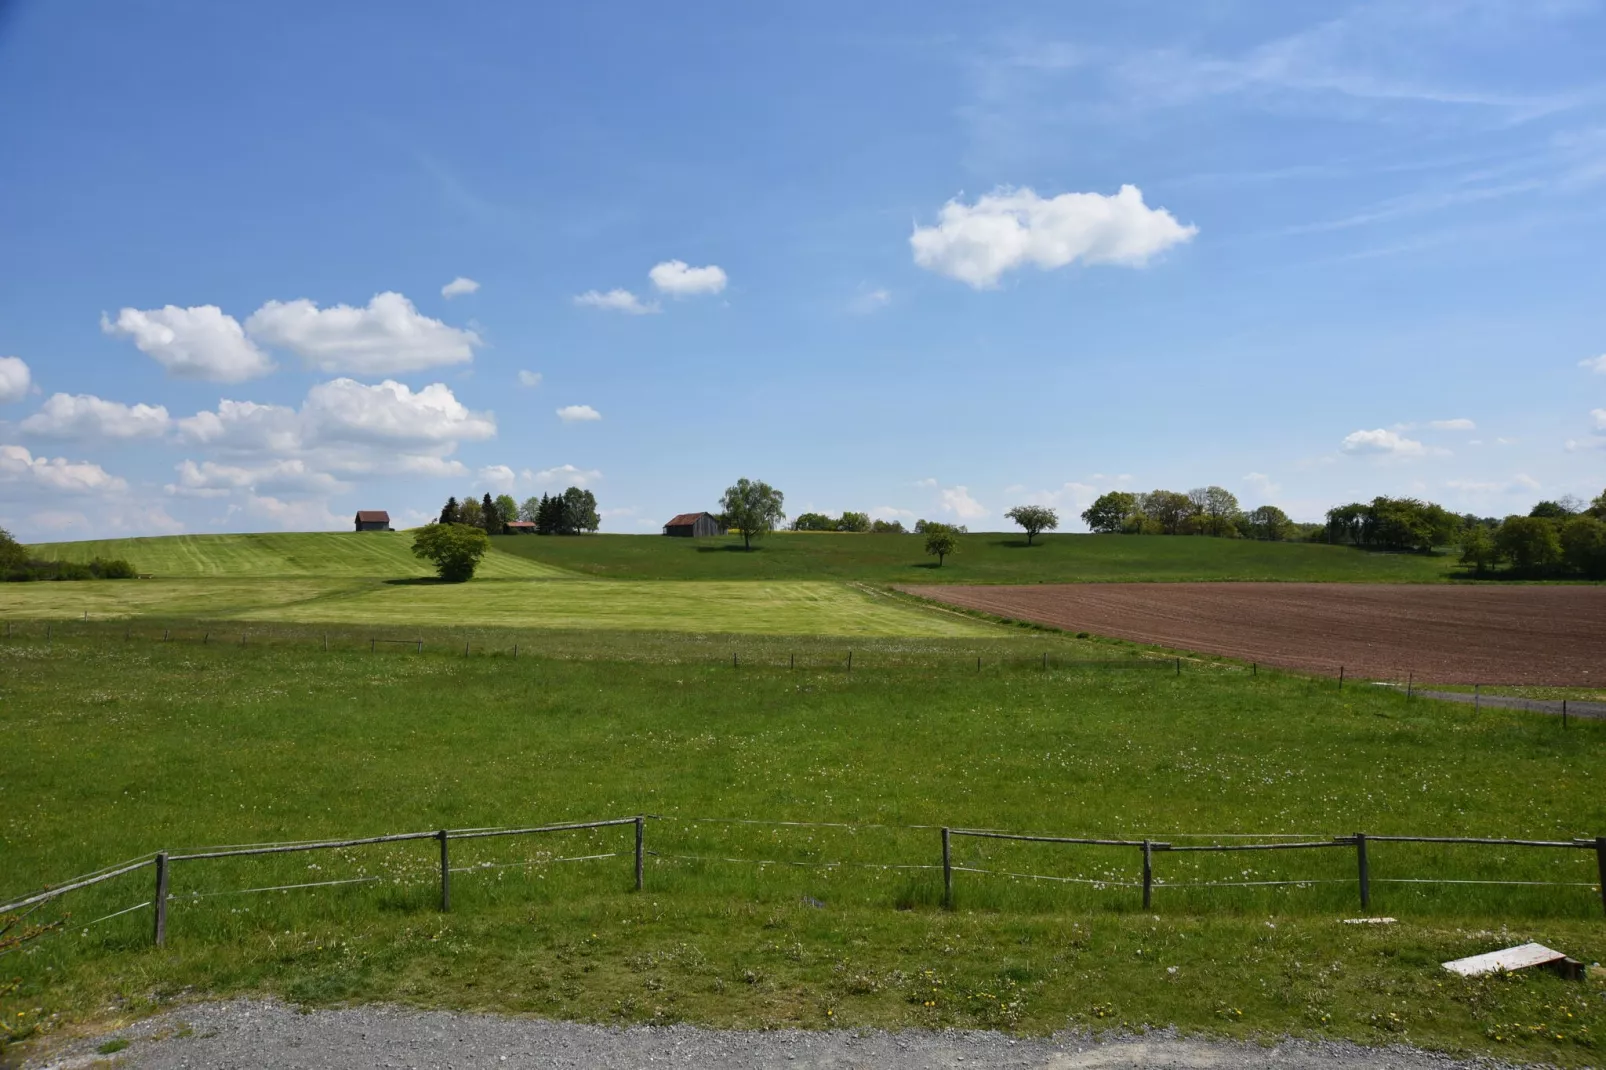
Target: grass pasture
x=991, y=557
x=116, y=748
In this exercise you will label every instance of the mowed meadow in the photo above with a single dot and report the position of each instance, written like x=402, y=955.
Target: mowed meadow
x=793, y=799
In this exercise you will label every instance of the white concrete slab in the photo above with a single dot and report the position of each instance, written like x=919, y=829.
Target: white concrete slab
x=1521, y=957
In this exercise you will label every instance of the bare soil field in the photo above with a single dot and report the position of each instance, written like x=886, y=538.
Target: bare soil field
x=1553, y=635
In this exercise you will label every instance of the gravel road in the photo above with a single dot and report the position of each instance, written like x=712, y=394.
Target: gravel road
x=246, y=1033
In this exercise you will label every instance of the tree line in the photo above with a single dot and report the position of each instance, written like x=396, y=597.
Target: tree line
x=574, y=512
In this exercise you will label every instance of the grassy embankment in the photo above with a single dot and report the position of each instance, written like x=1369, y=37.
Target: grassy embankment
x=118, y=748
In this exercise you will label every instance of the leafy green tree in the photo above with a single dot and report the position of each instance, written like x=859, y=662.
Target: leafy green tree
x=854, y=522
x=1552, y=511
x=887, y=527
x=580, y=512
x=1110, y=511
x=1034, y=519
x=1165, y=511
x=1219, y=513
x=531, y=509
x=1347, y=523
x=490, y=516
x=813, y=522
x=1597, y=508
x=1583, y=546
x=449, y=512
x=13, y=555
x=507, y=509
x=1478, y=549
x=470, y=513
x=941, y=543
x=454, y=549
x=754, y=507
x=926, y=527
x=1267, y=523
x=1530, y=543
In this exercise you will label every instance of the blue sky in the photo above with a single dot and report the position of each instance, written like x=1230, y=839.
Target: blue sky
x=919, y=259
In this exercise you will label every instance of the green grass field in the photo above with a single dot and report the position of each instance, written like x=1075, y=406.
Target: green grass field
x=982, y=558
x=117, y=747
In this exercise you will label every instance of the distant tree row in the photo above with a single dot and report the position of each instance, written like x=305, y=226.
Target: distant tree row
x=1201, y=511
x=1556, y=538
x=848, y=521
x=571, y=513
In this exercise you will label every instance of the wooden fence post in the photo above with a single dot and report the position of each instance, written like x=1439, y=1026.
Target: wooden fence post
x=641, y=834
x=161, y=898
x=420, y=646
x=850, y=661
x=371, y=642
x=1148, y=874
x=446, y=874
x=1410, y=680
x=948, y=873
x=326, y=642
x=1045, y=661
x=1179, y=666
x=1477, y=697
x=1600, y=864
x=1363, y=871
x=1564, y=714
x=1254, y=668
x=465, y=648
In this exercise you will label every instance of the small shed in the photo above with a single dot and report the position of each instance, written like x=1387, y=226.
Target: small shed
x=519, y=527
x=695, y=526
x=373, y=520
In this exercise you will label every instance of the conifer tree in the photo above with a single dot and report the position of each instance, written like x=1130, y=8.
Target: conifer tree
x=449, y=512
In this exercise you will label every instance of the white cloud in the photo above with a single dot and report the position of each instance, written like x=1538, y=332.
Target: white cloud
x=869, y=301
x=14, y=379
x=573, y=413
x=496, y=476
x=615, y=301
x=1459, y=424
x=1383, y=442
x=344, y=410
x=529, y=379
x=892, y=512
x=208, y=479
x=389, y=336
x=59, y=475
x=957, y=500
x=679, y=279
x=459, y=286
x=566, y=474
x=86, y=416
x=1595, y=364
x=305, y=515
x=1007, y=229
x=244, y=425
x=192, y=343
x=1262, y=484
x=1597, y=419
x=925, y=482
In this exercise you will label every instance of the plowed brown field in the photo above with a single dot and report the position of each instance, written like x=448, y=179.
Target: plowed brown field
x=1444, y=634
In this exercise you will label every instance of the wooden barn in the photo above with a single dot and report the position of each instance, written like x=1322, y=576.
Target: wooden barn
x=695, y=526
x=373, y=520
x=519, y=527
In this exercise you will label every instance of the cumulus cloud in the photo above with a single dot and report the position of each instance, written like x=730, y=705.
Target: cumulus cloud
x=496, y=476
x=87, y=416
x=1595, y=364
x=1009, y=228
x=529, y=379
x=1261, y=484
x=304, y=515
x=567, y=474
x=573, y=413
x=387, y=337
x=892, y=512
x=617, y=300
x=679, y=279
x=15, y=379
x=209, y=479
x=957, y=500
x=1383, y=442
x=58, y=475
x=245, y=425
x=869, y=301
x=1458, y=424
x=344, y=410
x=192, y=343
x=458, y=287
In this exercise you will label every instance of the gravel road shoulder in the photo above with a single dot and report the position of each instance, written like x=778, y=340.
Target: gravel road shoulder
x=251, y=1033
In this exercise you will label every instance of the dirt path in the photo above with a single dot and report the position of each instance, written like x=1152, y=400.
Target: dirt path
x=244, y=1033
x=1449, y=633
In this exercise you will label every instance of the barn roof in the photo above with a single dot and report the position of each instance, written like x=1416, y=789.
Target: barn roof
x=521, y=524
x=686, y=518
x=369, y=516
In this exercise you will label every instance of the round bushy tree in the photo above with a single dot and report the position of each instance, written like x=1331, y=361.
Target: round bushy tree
x=454, y=549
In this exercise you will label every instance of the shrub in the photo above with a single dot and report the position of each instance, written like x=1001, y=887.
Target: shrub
x=455, y=549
